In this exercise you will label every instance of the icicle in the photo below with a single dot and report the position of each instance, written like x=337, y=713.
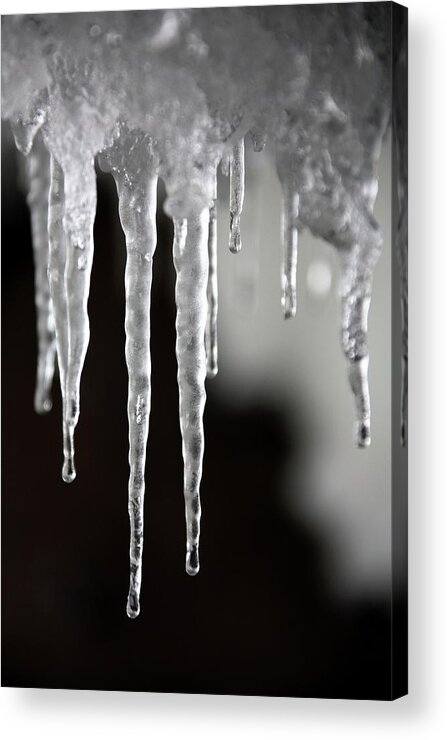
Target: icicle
x=225, y=164
x=237, y=186
x=56, y=279
x=400, y=143
x=354, y=326
x=290, y=207
x=211, y=292
x=25, y=131
x=258, y=139
x=79, y=215
x=137, y=209
x=191, y=264
x=357, y=265
x=39, y=183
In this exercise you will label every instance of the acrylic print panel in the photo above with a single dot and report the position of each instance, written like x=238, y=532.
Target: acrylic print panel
x=213, y=199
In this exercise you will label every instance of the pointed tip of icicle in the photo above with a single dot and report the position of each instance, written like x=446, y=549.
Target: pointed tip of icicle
x=235, y=233
x=362, y=434
x=133, y=605
x=211, y=370
x=288, y=303
x=23, y=139
x=42, y=404
x=289, y=311
x=192, y=561
x=68, y=471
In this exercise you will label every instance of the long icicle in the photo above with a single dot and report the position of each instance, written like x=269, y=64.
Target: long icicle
x=79, y=216
x=56, y=279
x=38, y=170
x=357, y=264
x=237, y=189
x=191, y=264
x=137, y=209
x=290, y=205
x=212, y=295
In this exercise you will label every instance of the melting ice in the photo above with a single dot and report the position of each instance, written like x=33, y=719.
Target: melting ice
x=172, y=95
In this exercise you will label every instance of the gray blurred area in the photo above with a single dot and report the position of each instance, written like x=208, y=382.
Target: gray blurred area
x=342, y=491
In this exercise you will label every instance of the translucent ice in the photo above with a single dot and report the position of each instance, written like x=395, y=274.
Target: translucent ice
x=38, y=172
x=134, y=168
x=191, y=264
x=237, y=187
x=171, y=95
x=211, y=324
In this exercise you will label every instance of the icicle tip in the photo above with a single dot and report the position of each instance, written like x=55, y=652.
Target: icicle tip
x=68, y=471
x=133, y=605
x=42, y=402
x=362, y=434
x=192, y=561
x=289, y=305
x=211, y=370
x=235, y=233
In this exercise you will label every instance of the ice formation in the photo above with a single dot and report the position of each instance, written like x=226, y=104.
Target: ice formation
x=171, y=95
x=400, y=134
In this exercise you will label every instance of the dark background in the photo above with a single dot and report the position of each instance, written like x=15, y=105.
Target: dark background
x=260, y=618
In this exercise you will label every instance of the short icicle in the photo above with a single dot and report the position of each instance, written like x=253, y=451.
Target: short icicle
x=355, y=306
x=212, y=295
x=38, y=171
x=79, y=216
x=237, y=188
x=290, y=205
x=24, y=132
x=137, y=195
x=56, y=278
x=191, y=264
x=258, y=139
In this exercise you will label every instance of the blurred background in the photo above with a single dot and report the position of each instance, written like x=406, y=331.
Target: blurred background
x=294, y=593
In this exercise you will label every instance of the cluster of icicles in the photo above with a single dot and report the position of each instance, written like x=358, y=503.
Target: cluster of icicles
x=174, y=95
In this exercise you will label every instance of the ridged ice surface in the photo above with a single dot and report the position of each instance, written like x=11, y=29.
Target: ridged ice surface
x=171, y=95
x=134, y=168
x=191, y=265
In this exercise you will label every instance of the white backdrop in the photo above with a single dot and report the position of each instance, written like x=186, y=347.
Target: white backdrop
x=55, y=714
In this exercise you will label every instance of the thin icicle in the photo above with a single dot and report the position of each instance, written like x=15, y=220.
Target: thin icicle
x=24, y=132
x=355, y=293
x=258, y=139
x=237, y=188
x=212, y=296
x=38, y=169
x=137, y=209
x=400, y=143
x=79, y=215
x=355, y=308
x=290, y=205
x=225, y=164
x=191, y=264
x=56, y=278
